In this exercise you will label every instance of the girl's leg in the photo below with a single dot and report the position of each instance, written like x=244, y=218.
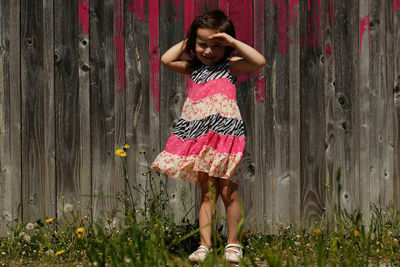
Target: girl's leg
x=207, y=205
x=230, y=197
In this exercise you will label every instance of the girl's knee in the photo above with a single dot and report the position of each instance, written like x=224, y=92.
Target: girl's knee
x=229, y=192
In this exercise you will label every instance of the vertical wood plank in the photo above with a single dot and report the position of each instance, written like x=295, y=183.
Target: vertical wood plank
x=281, y=115
x=294, y=108
x=35, y=190
x=67, y=101
x=154, y=69
x=341, y=87
x=138, y=100
x=267, y=130
x=364, y=106
x=85, y=180
x=6, y=42
x=312, y=113
x=49, y=108
x=381, y=104
x=14, y=180
x=255, y=194
x=396, y=97
x=106, y=182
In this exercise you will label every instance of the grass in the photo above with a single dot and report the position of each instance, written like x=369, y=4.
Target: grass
x=147, y=236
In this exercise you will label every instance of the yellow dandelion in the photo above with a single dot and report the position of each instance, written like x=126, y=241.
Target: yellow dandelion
x=49, y=220
x=356, y=233
x=79, y=236
x=143, y=151
x=79, y=230
x=118, y=152
x=123, y=154
x=59, y=252
x=317, y=231
x=126, y=146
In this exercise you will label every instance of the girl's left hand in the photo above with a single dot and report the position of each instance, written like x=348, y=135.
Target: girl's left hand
x=222, y=38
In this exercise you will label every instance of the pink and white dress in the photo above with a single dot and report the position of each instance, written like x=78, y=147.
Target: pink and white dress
x=209, y=136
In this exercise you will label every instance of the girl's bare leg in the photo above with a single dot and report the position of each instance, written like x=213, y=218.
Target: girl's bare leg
x=230, y=197
x=207, y=205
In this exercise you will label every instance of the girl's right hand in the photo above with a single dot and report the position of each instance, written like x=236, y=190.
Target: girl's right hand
x=172, y=58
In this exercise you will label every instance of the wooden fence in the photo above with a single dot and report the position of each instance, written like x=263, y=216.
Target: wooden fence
x=80, y=78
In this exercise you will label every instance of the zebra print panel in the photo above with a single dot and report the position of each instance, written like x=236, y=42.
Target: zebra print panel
x=207, y=73
x=224, y=126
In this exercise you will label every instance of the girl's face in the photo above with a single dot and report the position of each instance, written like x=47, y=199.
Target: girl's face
x=209, y=52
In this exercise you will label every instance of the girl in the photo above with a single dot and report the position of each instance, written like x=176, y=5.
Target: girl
x=208, y=141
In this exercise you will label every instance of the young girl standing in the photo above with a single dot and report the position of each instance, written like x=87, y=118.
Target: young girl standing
x=208, y=142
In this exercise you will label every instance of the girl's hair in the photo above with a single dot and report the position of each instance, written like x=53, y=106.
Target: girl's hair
x=213, y=20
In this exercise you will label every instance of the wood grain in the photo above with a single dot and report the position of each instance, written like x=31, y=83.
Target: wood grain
x=312, y=118
x=396, y=98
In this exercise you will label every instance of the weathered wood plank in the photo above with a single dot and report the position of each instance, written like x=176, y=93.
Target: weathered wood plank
x=67, y=101
x=381, y=103
x=312, y=113
x=105, y=117
x=154, y=75
x=84, y=186
x=267, y=131
x=341, y=96
x=294, y=107
x=281, y=115
x=364, y=87
x=5, y=164
x=49, y=110
x=34, y=187
x=14, y=179
x=255, y=195
x=137, y=54
x=396, y=97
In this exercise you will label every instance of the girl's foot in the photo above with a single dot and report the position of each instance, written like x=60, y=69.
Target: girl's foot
x=233, y=253
x=200, y=254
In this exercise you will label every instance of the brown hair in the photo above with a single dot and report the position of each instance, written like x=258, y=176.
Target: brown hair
x=214, y=20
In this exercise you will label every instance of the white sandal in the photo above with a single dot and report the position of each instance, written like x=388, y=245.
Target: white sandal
x=200, y=254
x=235, y=253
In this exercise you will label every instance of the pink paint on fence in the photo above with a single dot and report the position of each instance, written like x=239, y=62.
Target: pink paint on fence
x=138, y=8
x=281, y=24
x=119, y=46
x=154, y=52
x=224, y=6
x=241, y=14
x=328, y=52
x=364, y=26
x=331, y=12
x=313, y=33
x=260, y=88
x=259, y=46
x=396, y=4
x=83, y=14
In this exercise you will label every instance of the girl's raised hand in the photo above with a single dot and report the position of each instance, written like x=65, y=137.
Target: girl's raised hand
x=222, y=38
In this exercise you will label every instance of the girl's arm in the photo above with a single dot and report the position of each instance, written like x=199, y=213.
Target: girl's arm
x=172, y=58
x=251, y=59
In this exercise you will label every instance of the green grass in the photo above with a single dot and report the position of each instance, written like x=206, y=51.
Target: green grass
x=147, y=236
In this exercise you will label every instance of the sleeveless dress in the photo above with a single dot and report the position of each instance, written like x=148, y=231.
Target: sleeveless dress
x=209, y=136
